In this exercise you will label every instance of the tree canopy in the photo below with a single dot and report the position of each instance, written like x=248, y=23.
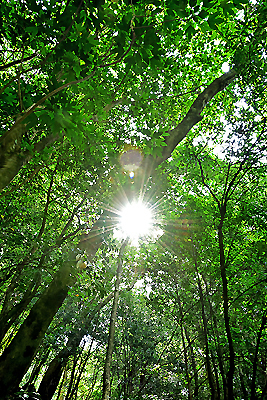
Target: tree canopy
x=106, y=102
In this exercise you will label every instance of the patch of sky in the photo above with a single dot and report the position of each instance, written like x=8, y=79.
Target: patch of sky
x=225, y=67
x=143, y=286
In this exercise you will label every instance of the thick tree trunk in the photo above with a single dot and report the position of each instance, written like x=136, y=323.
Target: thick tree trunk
x=36, y=369
x=193, y=116
x=52, y=377
x=12, y=159
x=17, y=357
x=53, y=374
x=10, y=314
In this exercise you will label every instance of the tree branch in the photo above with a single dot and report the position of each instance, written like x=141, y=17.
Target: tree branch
x=14, y=162
x=47, y=96
x=205, y=184
x=35, y=171
x=193, y=116
x=11, y=64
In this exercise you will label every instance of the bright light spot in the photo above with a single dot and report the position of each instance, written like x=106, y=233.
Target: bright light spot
x=140, y=284
x=241, y=104
x=131, y=175
x=157, y=233
x=135, y=220
x=225, y=67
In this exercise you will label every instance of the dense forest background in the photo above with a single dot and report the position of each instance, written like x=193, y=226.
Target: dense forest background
x=103, y=102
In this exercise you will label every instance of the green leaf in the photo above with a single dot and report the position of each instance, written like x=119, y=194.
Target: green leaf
x=33, y=30
x=77, y=70
x=205, y=27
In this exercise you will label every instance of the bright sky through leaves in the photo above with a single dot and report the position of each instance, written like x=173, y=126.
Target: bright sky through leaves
x=225, y=67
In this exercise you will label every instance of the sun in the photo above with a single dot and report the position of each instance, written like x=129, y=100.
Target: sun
x=135, y=220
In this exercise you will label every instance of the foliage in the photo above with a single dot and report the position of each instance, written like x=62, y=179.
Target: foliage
x=82, y=82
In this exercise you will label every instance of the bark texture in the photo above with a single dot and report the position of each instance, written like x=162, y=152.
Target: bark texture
x=12, y=159
x=18, y=356
x=53, y=374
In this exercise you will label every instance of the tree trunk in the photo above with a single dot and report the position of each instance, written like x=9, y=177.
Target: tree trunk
x=51, y=379
x=230, y=372
x=37, y=368
x=253, y=381
x=243, y=386
x=107, y=366
x=17, y=357
x=205, y=328
x=193, y=362
x=9, y=315
x=72, y=376
x=74, y=392
x=188, y=378
x=216, y=336
x=52, y=375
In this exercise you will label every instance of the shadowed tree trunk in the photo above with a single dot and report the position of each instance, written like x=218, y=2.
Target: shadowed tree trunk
x=53, y=374
x=17, y=357
x=214, y=394
x=8, y=317
x=231, y=369
x=216, y=336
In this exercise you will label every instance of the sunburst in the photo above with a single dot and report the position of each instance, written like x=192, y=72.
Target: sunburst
x=135, y=220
